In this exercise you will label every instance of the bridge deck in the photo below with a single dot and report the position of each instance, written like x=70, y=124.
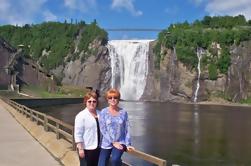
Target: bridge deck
x=135, y=29
x=18, y=147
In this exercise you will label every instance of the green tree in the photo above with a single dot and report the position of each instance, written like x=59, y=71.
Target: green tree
x=224, y=61
x=226, y=31
x=212, y=70
x=56, y=38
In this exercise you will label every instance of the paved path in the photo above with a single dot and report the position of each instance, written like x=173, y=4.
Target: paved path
x=18, y=147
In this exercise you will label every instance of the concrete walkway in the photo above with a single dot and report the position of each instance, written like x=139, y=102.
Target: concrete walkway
x=18, y=147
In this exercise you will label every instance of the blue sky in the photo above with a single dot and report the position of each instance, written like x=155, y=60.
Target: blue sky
x=157, y=14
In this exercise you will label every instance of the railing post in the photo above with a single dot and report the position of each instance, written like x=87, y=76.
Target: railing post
x=57, y=131
x=45, y=123
x=163, y=163
x=22, y=110
x=37, y=116
x=31, y=118
x=18, y=109
x=25, y=111
x=73, y=140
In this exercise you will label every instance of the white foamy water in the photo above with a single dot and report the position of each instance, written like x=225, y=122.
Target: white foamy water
x=129, y=63
x=199, y=55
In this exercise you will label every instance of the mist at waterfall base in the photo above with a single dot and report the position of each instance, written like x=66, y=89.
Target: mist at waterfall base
x=129, y=66
x=184, y=134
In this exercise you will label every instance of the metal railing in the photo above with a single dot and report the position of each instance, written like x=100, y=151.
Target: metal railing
x=65, y=131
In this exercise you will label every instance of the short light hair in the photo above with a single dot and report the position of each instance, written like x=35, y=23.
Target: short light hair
x=89, y=95
x=112, y=92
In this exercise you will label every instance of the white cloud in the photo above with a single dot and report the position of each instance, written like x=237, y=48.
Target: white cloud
x=49, y=16
x=229, y=7
x=19, y=12
x=126, y=4
x=81, y=5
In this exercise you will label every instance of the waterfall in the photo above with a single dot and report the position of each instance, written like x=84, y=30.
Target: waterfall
x=129, y=66
x=199, y=55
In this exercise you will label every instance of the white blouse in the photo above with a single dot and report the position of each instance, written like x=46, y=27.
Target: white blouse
x=85, y=130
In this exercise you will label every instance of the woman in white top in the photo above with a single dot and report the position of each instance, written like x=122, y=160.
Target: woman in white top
x=86, y=132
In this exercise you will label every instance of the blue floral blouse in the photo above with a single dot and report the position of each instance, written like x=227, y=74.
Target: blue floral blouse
x=114, y=128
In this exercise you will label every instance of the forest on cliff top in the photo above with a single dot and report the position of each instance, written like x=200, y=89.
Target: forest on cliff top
x=186, y=38
x=50, y=42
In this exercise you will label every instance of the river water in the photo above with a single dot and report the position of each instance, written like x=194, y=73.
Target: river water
x=183, y=134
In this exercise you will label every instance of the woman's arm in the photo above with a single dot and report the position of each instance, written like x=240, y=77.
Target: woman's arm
x=78, y=135
x=79, y=129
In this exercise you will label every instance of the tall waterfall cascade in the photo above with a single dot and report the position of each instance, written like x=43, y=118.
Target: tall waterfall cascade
x=199, y=55
x=129, y=66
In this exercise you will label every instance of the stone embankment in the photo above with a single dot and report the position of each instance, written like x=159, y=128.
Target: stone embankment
x=60, y=149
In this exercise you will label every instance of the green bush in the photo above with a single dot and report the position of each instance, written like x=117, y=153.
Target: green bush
x=224, y=61
x=212, y=69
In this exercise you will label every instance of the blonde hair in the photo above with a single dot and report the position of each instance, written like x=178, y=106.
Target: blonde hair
x=112, y=92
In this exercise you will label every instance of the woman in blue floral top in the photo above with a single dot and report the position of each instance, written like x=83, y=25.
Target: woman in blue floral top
x=114, y=128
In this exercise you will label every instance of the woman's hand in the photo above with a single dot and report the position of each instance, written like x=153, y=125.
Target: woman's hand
x=117, y=145
x=80, y=150
x=81, y=153
x=130, y=148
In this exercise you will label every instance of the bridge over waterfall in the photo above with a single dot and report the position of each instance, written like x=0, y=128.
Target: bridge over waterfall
x=135, y=29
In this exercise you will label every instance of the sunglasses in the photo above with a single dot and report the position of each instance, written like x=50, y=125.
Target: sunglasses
x=113, y=97
x=91, y=101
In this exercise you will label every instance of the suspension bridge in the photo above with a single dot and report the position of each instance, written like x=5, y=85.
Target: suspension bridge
x=134, y=29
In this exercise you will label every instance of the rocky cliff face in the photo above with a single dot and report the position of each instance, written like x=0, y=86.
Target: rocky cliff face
x=93, y=72
x=7, y=54
x=238, y=83
x=172, y=82
x=16, y=70
x=152, y=88
x=175, y=82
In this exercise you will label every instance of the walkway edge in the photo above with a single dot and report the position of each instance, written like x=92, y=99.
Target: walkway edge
x=60, y=149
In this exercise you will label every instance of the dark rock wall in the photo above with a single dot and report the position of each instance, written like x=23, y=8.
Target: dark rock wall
x=94, y=72
x=6, y=54
x=238, y=83
x=174, y=82
x=5, y=79
x=166, y=84
x=29, y=73
x=152, y=90
x=14, y=68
